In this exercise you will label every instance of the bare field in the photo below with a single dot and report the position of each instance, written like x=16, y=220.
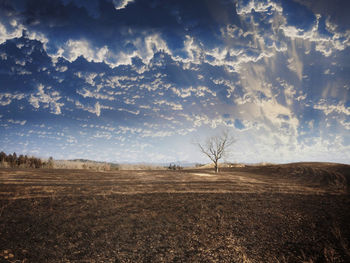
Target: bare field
x=276, y=213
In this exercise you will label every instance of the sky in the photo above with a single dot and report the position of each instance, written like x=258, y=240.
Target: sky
x=141, y=80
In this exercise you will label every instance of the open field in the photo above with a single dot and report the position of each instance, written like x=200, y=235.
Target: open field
x=276, y=213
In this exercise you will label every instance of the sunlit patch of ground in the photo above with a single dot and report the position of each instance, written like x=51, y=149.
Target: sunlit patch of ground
x=203, y=174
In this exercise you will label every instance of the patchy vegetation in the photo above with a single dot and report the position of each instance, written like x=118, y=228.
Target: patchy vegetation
x=23, y=161
x=84, y=164
x=244, y=214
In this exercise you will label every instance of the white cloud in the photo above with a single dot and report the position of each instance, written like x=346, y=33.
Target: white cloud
x=120, y=4
x=48, y=98
x=272, y=111
x=192, y=49
x=155, y=134
x=324, y=44
x=339, y=108
x=33, y=35
x=231, y=31
x=144, y=133
x=115, y=81
x=7, y=98
x=3, y=56
x=15, y=30
x=87, y=76
x=17, y=121
x=200, y=91
x=96, y=109
x=149, y=45
x=269, y=149
x=94, y=94
x=20, y=62
x=145, y=107
x=146, y=46
x=62, y=69
x=137, y=112
x=103, y=135
x=21, y=71
x=173, y=105
x=294, y=63
x=228, y=56
x=72, y=49
x=346, y=124
x=197, y=120
x=10, y=33
x=269, y=119
x=289, y=92
x=244, y=7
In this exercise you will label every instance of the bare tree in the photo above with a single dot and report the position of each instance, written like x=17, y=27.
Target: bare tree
x=216, y=147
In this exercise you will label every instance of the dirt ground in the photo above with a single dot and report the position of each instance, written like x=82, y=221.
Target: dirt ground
x=276, y=213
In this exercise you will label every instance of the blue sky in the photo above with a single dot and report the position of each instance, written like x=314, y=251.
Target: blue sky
x=139, y=80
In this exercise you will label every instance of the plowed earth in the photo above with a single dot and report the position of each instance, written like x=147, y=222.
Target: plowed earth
x=278, y=213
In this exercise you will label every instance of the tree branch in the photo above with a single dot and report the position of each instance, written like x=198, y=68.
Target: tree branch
x=216, y=146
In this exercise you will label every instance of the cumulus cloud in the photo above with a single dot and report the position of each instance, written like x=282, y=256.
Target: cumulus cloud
x=62, y=69
x=7, y=98
x=200, y=91
x=148, y=46
x=10, y=32
x=73, y=49
x=145, y=133
x=246, y=7
x=198, y=120
x=17, y=121
x=192, y=50
x=173, y=105
x=35, y=35
x=94, y=94
x=289, y=92
x=145, y=45
x=96, y=109
x=339, y=108
x=48, y=98
x=120, y=4
x=324, y=44
x=346, y=124
x=103, y=135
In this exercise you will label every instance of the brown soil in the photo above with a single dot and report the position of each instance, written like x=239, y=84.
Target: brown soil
x=277, y=213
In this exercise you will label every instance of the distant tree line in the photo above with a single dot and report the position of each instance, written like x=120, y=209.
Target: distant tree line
x=24, y=161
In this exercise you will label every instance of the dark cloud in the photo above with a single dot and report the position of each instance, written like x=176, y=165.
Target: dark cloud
x=101, y=24
x=337, y=10
x=298, y=15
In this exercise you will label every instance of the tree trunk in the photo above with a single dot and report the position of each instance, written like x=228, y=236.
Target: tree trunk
x=216, y=167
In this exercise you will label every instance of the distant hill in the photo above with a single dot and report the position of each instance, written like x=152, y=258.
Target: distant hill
x=328, y=175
